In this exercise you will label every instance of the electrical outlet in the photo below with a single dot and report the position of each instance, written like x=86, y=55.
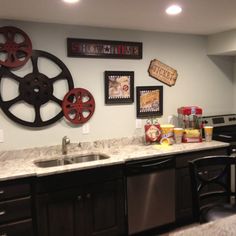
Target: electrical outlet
x=86, y=128
x=138, y=123
x=1, y=136
x=170, y=119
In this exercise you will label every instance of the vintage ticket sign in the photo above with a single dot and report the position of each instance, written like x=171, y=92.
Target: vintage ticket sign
x=162, y=72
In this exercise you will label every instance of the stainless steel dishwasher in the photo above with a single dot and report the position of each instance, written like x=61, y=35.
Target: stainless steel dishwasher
x=150, y=193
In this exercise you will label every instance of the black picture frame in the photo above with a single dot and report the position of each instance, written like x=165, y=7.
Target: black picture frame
x=93, y=48
x=149, y=101
x=119, y=87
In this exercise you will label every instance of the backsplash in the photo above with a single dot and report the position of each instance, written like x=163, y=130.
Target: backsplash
x=73, y=147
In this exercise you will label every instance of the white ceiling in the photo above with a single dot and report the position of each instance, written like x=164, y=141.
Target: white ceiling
x=198, y=16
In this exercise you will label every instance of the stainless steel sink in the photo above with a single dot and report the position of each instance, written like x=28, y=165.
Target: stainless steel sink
x=68, y=160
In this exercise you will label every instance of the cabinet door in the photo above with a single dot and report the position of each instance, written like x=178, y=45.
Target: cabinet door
x=183, y=195
x=58, y=214
x=105, y=205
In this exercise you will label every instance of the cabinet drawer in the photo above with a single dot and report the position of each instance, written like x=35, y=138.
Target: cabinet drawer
x=8, y=191
x=20, y=228
x=15, y=209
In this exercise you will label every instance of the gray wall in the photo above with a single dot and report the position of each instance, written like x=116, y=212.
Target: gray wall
x=206, y=81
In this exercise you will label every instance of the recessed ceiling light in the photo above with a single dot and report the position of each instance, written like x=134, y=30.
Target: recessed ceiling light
x=173, y=10
x=70, y=1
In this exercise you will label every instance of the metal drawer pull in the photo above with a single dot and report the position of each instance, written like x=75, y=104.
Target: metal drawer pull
x=88, y=195
x=3, y=234
x=78, y=198
x=2, y=213
x=1, y=192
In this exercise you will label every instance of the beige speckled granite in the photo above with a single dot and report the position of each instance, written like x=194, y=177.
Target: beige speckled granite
x=222, y=227
x=20, y=163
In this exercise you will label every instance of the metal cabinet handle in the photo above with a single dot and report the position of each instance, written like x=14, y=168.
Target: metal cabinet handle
x=2, y=213
x=88, y=195
x=79, y=198
x=2, y=192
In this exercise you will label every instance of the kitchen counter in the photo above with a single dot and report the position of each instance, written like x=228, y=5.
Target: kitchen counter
x=20, y=163
x=222, y=227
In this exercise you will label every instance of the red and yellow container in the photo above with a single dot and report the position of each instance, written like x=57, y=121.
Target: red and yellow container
x=190, y=119
x=167, y=134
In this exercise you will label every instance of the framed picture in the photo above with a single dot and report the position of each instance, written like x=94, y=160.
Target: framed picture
x=119, y=87
x=104, y=49
x=149, y=101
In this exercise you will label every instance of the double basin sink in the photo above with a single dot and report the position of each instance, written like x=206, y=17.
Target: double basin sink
x=70, y=160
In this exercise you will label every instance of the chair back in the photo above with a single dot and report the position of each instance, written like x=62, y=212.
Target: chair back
x=210, y=182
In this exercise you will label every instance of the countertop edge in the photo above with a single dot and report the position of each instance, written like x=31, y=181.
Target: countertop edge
x=117, y=156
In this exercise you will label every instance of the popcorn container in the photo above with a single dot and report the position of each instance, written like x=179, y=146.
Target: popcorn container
x=190, y=119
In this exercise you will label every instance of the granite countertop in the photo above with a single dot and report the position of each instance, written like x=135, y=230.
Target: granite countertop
x=20, y=163
x=222, y=227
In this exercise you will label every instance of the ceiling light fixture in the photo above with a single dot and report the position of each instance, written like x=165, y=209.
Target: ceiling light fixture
x=173, y=10
x=70, y=1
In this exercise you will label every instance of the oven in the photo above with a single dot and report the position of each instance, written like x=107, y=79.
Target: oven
x=224, y=130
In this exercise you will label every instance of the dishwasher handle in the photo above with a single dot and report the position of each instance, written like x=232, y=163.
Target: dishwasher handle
x=156, y=164
x=150, y=165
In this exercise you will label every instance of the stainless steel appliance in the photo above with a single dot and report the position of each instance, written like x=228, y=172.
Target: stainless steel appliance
x=150, y=193
x=224, y=129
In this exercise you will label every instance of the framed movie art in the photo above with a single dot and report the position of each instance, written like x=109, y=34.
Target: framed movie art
x=94, y=48
x=119, y=87
x=149, y=101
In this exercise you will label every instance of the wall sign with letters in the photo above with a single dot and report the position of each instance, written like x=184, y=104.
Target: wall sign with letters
x=162, y=72
x=104, y=49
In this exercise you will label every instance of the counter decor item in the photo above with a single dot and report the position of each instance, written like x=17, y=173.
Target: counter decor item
x=162, y=72
x=94, y=48
x=208, y=131
x=178, y=135
x=78, y=106
x=149, y=101
x=167, y=134
x=152, y=131
x=190, y=119
x=119, y=87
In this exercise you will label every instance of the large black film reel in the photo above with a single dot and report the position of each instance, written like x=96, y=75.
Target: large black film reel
x=35, y=89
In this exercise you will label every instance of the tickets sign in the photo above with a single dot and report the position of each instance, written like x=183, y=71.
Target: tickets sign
x=162, y=72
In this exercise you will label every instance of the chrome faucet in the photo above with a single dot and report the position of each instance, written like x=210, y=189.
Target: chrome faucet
x=65, y=142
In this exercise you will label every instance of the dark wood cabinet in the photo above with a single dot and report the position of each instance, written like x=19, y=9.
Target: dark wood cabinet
x=89, y=209
x=183, y=185
x=15, y=208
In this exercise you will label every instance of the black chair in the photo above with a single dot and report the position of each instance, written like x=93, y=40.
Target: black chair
x=212, y=197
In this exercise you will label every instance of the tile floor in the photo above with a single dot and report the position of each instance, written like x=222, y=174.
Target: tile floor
x=178, y=229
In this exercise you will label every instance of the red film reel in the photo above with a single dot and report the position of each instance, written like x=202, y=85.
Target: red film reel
x=15, y=47
x=78, y=105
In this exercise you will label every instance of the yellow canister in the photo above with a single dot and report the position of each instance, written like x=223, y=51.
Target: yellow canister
x=167, y=132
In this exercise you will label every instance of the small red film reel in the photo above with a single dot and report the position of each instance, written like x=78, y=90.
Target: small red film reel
x=78, y=105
